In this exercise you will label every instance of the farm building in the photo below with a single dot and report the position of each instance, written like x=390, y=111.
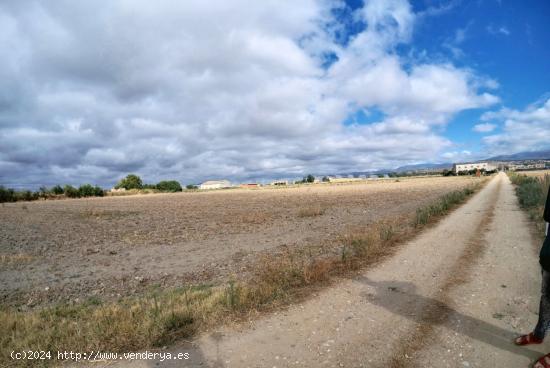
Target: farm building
x=472, y=166
x=215, y=184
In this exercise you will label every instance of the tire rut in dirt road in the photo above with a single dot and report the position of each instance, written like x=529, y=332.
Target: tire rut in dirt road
x=438, y=312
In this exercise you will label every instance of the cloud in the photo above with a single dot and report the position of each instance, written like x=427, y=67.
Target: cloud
x=190, y=91
x=457, y=156
x=484, y=127
x=522, y=130
x=495, y=30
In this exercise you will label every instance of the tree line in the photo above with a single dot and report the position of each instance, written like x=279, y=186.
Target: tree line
x=129, y=182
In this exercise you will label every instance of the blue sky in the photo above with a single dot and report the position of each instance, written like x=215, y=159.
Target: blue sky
x=246, y=90
x=503, y=40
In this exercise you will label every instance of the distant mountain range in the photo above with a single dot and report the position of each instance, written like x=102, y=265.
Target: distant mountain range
x=446, y=165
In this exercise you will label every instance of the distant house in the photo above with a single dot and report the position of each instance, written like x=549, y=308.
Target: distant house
x=215, y=184
x=342, y=180
x=529, y=166
x=473, y=166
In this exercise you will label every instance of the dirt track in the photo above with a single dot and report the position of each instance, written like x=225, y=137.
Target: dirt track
x=454, y=297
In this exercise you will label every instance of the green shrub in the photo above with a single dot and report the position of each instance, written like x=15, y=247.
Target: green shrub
x=7, y=194
x=169, y=186
x=531, y=192
x=191, y=186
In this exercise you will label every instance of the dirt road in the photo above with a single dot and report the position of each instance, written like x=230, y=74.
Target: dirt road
x=454, y=297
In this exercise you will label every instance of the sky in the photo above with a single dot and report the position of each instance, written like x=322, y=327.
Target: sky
x=247, y=90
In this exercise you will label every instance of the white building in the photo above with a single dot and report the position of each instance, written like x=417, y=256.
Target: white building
x=215, y=184
x=473, y=166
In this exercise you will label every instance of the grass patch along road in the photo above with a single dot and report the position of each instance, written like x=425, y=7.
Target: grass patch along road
x=531, y=192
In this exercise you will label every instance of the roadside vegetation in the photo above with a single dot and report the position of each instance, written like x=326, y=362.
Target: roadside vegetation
x=441, y=207
x=161, y=317
x=531, y=192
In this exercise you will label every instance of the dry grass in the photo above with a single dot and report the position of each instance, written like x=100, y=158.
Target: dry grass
x=163, y=317
x=105, y=214
x=16, y=258
x=311, y=211
x=536, y=173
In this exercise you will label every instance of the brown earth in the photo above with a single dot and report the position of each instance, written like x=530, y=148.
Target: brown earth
x=455, y=296
x=107, y=247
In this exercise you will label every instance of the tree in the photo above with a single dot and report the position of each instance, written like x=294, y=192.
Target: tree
x=98, y=191
x=71, y=191
x=86, y=190
x=57, y=190
x=309, y=179
x=169, y=186
x=191, y=186
x=326, y=179
x=44, y=191
x=131, y=181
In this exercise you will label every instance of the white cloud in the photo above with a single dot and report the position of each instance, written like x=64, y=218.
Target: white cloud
x=457, y=156
x=189, y=90
x=526, y=130
x=494, y=30
x=484, y=127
